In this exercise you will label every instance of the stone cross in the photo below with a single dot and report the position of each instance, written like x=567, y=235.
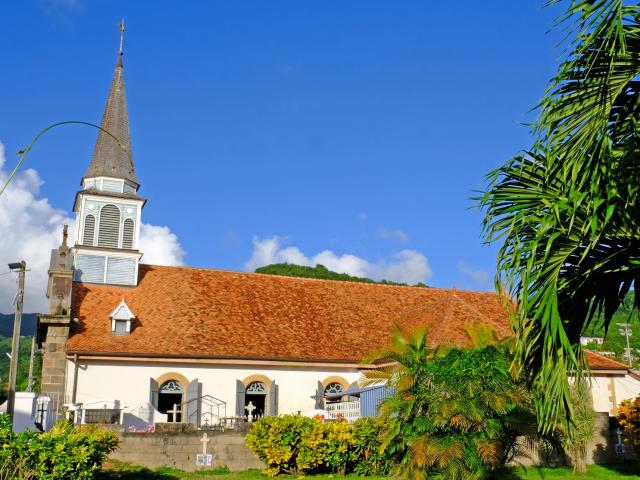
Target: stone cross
x=250, y=408
x=204, y=440
x=174, y=411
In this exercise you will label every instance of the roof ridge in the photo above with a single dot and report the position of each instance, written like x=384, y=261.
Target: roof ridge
x=310, y=279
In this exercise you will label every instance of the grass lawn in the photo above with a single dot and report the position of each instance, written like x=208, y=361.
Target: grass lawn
x=596, y=472
x=123, y=471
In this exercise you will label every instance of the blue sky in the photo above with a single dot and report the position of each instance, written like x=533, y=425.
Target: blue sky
x=359, y=127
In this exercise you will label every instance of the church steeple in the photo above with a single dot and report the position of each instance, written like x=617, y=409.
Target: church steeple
x=108, y=208
x=110, y=158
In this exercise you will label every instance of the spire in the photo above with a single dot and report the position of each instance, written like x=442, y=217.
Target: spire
x=109, y=158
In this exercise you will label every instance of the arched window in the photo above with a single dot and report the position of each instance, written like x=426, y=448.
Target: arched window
x=333, y=387
x=127, y=234
x=255, y=403
x=109, y=229
x=89, y=230
x=172, y=386
x=170, y=400
x=257, y=388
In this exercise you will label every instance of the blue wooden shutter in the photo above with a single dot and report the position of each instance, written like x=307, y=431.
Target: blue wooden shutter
x=240, y=398
x=320, y=396
x=153, y=393
x=273, y=400
x=194, y=394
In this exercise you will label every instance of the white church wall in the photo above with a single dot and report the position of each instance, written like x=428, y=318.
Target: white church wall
x=627, y=387
x=130, y=382
x=601, y=393
x=609, y=390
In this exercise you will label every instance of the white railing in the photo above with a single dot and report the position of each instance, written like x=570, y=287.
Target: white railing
x=350, y=411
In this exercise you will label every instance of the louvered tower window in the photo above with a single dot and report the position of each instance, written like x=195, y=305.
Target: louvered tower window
x=89, y=230
x=109, y=229
x=127, y=234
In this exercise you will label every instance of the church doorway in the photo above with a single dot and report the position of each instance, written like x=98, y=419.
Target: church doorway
x=170, y=400
x=256, y=394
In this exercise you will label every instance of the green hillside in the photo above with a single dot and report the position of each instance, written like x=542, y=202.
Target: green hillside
x=23, y=365
x=321, y=272
x=615, y=341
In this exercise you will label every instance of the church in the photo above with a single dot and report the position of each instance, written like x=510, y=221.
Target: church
x=134, y=344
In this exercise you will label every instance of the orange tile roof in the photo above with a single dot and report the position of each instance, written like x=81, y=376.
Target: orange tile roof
x=190, y=312
x=600, y=362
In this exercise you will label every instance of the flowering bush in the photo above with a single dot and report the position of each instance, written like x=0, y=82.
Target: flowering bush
x=629, y=418
x=64, y=452
x=295, y=444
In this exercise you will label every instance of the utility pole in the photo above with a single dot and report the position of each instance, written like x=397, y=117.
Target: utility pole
x=31, y=359
x=625, y=330
x=21, y=268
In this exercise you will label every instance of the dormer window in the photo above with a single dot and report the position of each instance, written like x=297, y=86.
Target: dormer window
x=121, y=327
x=121, y=319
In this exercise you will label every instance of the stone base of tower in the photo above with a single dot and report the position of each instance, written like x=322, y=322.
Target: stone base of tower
x=52, y=335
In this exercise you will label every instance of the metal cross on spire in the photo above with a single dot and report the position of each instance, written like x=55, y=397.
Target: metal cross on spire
x=121, y=27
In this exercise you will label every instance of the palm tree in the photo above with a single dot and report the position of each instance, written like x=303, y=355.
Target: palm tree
x=577, y=433
x=455, y=413
x=567, y=211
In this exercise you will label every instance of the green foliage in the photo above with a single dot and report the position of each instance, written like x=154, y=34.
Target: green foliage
x=64, y=452
x=577, y=432
x=23, y=365
x=455, y=413
x=614, y=340
x=6, y=424
x=320, y=271
x=367, y=456
x=297, y=445
x=566, y=211
x=629, y=418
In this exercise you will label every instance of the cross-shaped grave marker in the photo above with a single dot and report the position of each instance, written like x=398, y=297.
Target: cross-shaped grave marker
x=204, y=440
x=250, y=408
x=174, y=411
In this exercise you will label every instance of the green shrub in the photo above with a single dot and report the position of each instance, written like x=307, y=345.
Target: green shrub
x=455, y=413
x=368, y=457
x=64, y=452
x=295, y=444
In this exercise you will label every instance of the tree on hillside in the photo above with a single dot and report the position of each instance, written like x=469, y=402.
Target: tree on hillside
x=321, y=272
x=567, y=211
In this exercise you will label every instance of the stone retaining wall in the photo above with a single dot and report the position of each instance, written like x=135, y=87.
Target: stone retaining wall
x=179, y=450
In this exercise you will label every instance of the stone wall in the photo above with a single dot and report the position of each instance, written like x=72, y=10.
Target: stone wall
x=54, y=357
x=600, y=451
x=179, y=450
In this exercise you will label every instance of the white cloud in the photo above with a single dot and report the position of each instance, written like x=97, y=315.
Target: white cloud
x=481, y=278
x=363, y=216
x=393, y=235
x=407, y=266
x=160, y=246
x=30, y=227
x=62, y=11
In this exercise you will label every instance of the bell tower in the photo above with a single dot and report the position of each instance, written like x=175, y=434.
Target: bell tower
x=108, y=208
